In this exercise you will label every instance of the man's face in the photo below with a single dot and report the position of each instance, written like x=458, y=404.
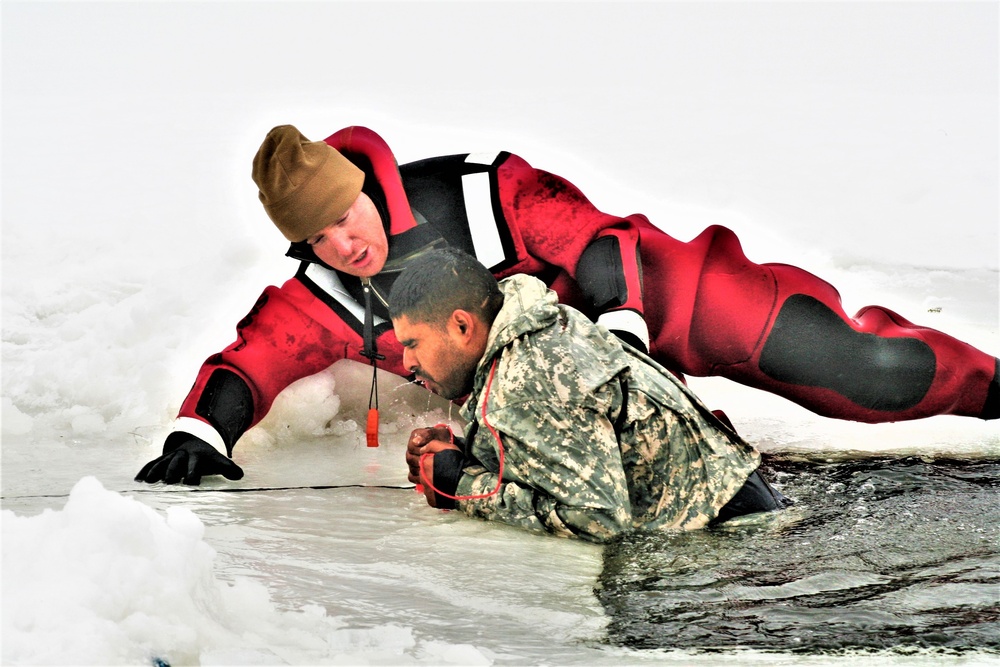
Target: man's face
x=438, y=355
x=356, y=243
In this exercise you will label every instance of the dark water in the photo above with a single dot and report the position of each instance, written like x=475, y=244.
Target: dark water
x=877, y=554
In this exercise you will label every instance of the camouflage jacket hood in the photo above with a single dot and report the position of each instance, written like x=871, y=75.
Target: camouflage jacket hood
x=531, y=307
x=528, y=306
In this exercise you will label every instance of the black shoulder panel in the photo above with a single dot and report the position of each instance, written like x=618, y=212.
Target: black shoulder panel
x=435, y=190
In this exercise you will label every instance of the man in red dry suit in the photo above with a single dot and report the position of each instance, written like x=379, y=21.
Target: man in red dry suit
x=354, y=218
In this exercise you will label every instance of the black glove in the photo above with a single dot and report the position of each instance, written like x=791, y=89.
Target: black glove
x=186, y=459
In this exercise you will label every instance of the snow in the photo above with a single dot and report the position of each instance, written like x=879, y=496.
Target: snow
x=89, y=612
x=856, y=140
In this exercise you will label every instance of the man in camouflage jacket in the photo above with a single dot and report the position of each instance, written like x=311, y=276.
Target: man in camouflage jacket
x=569, y=430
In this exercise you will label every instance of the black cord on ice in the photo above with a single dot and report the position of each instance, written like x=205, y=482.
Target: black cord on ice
x=252, y=489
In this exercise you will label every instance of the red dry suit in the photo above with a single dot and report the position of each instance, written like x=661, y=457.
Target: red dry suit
x=700, y=307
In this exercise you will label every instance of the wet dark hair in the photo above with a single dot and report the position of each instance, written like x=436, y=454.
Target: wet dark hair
x=438, y=282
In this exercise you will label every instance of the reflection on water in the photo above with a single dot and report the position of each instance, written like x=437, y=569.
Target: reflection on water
x=900, y=554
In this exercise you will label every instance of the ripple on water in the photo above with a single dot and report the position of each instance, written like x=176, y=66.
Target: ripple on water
x=877, y=554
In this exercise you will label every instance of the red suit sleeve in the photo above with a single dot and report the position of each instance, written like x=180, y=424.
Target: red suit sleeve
x=288, y=334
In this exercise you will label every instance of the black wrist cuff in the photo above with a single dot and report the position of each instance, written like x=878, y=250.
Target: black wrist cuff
x=227, y=404
x=448, y=466
x=631, y=339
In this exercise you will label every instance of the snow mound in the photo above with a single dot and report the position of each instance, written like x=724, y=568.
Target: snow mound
x=108, y=580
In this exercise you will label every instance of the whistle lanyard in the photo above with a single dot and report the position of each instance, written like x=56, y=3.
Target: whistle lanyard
x=370, y=350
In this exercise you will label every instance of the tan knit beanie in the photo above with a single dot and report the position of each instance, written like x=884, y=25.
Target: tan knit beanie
x=304, y=185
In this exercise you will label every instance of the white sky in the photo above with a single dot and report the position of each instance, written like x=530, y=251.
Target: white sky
x=865, y=130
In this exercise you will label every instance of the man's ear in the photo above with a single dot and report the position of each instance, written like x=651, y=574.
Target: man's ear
x=470, y=332
x=462, y=323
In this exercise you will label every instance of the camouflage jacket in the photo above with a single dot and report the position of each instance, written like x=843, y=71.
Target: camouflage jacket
x=568, y=467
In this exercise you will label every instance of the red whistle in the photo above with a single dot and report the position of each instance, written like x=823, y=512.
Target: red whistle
x=371, y=430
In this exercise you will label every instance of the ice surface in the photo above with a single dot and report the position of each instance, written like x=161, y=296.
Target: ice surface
x=107, y=580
